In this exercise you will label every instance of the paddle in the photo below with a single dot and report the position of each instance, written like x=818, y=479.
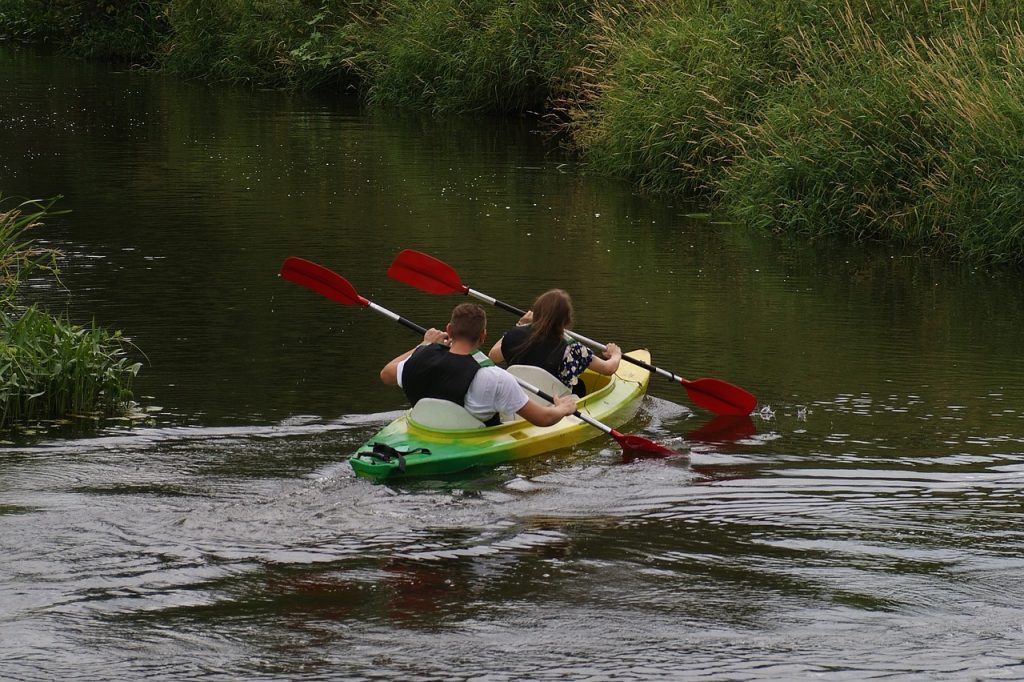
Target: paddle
x=436, y=277
x=335, y=287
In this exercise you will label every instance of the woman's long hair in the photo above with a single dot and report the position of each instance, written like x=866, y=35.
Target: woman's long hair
x=552, y=314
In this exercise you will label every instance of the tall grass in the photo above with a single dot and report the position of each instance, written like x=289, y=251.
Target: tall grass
x=918, y=137
x=128, y=30
x=20, y=256
x=269, y=42
x=49, y=367
x=899, y=120
x=482, y=55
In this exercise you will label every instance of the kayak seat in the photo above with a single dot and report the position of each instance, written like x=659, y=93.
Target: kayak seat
x=542, y=379
x=435, y=413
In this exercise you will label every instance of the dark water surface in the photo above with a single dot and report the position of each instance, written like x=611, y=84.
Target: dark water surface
x=868, y=524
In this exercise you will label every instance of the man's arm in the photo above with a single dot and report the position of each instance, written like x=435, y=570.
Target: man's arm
x=546, y=415
x=389, y=375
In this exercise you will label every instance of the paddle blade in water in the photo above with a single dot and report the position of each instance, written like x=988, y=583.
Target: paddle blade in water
x=426, y=273
x=719, y=396
x=321, y=280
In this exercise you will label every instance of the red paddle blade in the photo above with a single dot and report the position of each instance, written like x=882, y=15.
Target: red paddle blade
x=639, y=445
x=426, y=273
x=321, y=280
x=719, y=396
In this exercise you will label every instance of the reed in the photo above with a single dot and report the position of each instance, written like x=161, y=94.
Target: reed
x=20, y=256
x=895, y=120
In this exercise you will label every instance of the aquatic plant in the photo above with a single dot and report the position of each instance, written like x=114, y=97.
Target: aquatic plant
x=49, y=367
x=269, y=42
x=52, y=368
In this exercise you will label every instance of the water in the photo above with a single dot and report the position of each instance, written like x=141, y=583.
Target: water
x=864, y=524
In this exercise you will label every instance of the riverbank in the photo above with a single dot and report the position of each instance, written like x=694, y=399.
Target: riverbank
x=896, y=121
x=50, y=368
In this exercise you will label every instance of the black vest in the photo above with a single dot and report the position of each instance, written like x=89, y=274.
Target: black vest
x=433, y=372
x=517, y=350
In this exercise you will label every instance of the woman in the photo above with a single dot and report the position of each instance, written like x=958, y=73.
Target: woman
x=539, y=339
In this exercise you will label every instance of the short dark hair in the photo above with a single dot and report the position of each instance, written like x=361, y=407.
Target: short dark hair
x=469, y=321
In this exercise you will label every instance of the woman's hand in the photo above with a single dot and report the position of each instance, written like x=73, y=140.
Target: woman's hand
x=612, y=352
x=525, y=319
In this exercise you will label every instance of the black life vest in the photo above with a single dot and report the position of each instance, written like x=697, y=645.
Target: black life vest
x=434, y=372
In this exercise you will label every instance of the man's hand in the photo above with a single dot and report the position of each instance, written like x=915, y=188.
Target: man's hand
x=433, y=335
x=565, y=404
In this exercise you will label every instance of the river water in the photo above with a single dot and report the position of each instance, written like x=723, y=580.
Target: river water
x=866, y=523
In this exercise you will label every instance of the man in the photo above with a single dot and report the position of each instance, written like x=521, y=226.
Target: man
x=443, y=366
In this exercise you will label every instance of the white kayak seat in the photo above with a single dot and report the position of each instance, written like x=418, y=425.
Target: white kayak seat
x=435, y=413
x=542, y=379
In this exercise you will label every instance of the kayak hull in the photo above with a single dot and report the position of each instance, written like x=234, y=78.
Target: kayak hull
x=613, y=401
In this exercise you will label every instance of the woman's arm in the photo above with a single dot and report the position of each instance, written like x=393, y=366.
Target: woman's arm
x=495, y=353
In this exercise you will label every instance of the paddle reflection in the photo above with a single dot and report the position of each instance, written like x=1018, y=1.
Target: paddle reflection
x=725, y=428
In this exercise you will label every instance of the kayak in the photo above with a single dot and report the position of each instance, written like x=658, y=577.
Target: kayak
x=437, y=437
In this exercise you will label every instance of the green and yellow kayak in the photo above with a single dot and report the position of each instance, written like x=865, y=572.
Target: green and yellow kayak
x=420, y=443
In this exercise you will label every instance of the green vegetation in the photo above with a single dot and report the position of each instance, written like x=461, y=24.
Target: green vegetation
x=893, y=119
x=49, y=367
x=126, y=30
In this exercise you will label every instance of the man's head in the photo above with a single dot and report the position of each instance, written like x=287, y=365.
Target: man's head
x=469, y=323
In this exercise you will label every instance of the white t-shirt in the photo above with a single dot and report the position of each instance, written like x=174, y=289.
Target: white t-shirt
x=492, y=390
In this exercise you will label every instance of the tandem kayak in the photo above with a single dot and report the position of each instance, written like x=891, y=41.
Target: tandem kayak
x=436, y=437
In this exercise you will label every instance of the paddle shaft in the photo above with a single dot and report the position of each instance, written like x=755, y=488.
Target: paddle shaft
x=405, y=322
